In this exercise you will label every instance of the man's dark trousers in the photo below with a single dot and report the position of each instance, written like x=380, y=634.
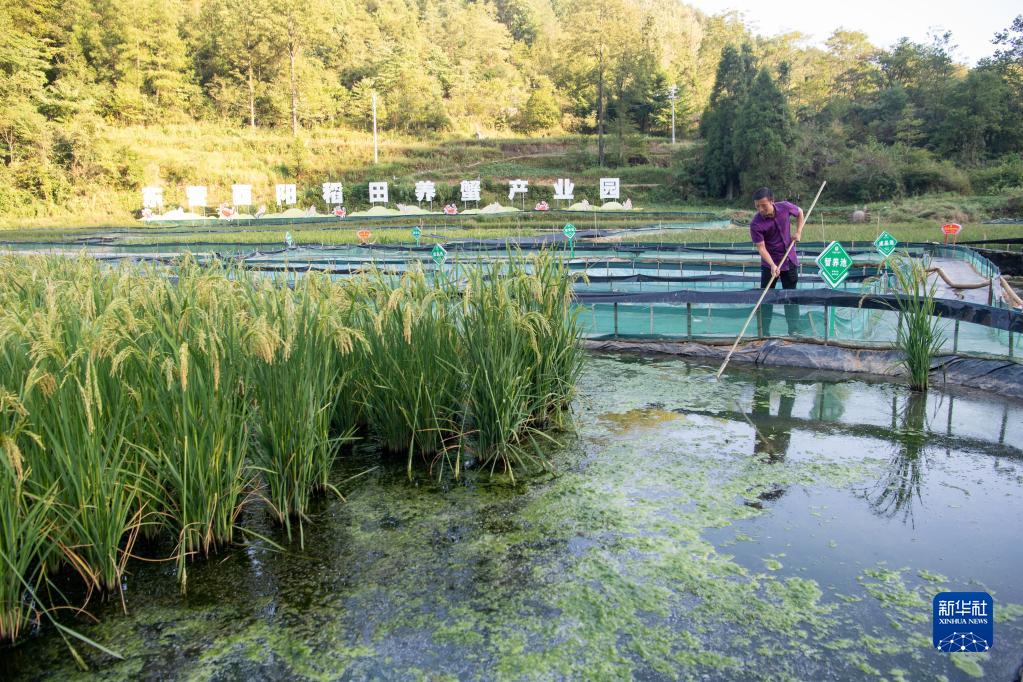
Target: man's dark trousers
x=788, y=278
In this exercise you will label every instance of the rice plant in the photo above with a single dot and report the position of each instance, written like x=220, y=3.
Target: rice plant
x=919, y=335
x=26, y=528
x=411, y=388
x=192, y=374
x=81, y=419
x=296, y=390
x=558, y=357
x=500, y=349
x=161, y=400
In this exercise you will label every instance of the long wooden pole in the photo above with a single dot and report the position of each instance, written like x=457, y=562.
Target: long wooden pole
x=770, y=284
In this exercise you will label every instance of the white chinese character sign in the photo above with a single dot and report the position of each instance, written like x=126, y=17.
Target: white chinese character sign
x=196, y=196
x=962, y=622
x=378, y=192
x=470, y=190
x=241, y=195
x=564, y=189
x=287, y=195
x=333, y=193
x=610, y=188
x=426, y=190
x=517, y=187
x=152, y=197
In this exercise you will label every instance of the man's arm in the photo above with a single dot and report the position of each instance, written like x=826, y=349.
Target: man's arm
x=799, y=226
x=762, y=248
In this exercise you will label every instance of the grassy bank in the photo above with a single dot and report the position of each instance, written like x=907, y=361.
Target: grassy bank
x=173, y=156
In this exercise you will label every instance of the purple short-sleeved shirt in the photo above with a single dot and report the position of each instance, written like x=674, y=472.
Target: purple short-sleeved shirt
x=776, y=233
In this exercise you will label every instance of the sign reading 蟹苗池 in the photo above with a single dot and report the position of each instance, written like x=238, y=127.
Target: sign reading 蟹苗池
x=439, y=254
x=834, y=263
x=885, y=244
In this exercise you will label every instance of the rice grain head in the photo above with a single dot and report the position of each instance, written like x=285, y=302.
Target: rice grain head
x=183, y=365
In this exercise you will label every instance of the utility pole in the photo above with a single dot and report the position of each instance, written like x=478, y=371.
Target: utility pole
x=376, y=156
x=673, y=95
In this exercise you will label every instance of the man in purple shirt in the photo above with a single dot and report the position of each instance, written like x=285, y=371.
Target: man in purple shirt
x=771, y=232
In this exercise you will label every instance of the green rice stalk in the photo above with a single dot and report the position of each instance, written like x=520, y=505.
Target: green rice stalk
x=920, y=335
x=296, y=392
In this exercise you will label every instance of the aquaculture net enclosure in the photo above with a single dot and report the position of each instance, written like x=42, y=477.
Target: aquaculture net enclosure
x=629, y=286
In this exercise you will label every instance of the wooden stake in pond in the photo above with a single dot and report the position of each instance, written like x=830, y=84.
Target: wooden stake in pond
x=770, y=284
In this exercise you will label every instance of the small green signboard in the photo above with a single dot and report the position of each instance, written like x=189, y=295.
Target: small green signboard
x=416, y=233
x=834, y=263
x=288, y=239
x=885, y=244
x=569, y=230
x=439, y=254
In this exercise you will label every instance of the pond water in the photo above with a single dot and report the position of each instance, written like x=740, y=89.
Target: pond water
x=773, y=525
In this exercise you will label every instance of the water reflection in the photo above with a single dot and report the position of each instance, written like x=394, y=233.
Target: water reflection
x=829, y=401
x=896, y=492
x=772, y=435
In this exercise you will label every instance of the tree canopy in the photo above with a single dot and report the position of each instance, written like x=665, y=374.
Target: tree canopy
x=579, y=66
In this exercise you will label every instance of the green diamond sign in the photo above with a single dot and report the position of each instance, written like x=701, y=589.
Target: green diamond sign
x=834, y=263
x=439, y=254
x=568, y=230
x=416, y=233
x=885, y=244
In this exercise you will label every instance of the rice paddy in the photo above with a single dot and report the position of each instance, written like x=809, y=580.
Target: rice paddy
x=145, y=407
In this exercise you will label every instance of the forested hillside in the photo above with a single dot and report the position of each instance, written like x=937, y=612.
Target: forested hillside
x=882, y=121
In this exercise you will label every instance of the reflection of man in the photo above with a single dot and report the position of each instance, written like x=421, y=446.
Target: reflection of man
x=773, y=433
x=771, y=232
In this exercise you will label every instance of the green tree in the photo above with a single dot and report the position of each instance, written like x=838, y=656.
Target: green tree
x=137, y=52
x=542, y=110
x=982, y=115
x=599, y=33
x=735, y=74
x=763, y=139
x=302, y=28
x=23, y=61
x=238, y=53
